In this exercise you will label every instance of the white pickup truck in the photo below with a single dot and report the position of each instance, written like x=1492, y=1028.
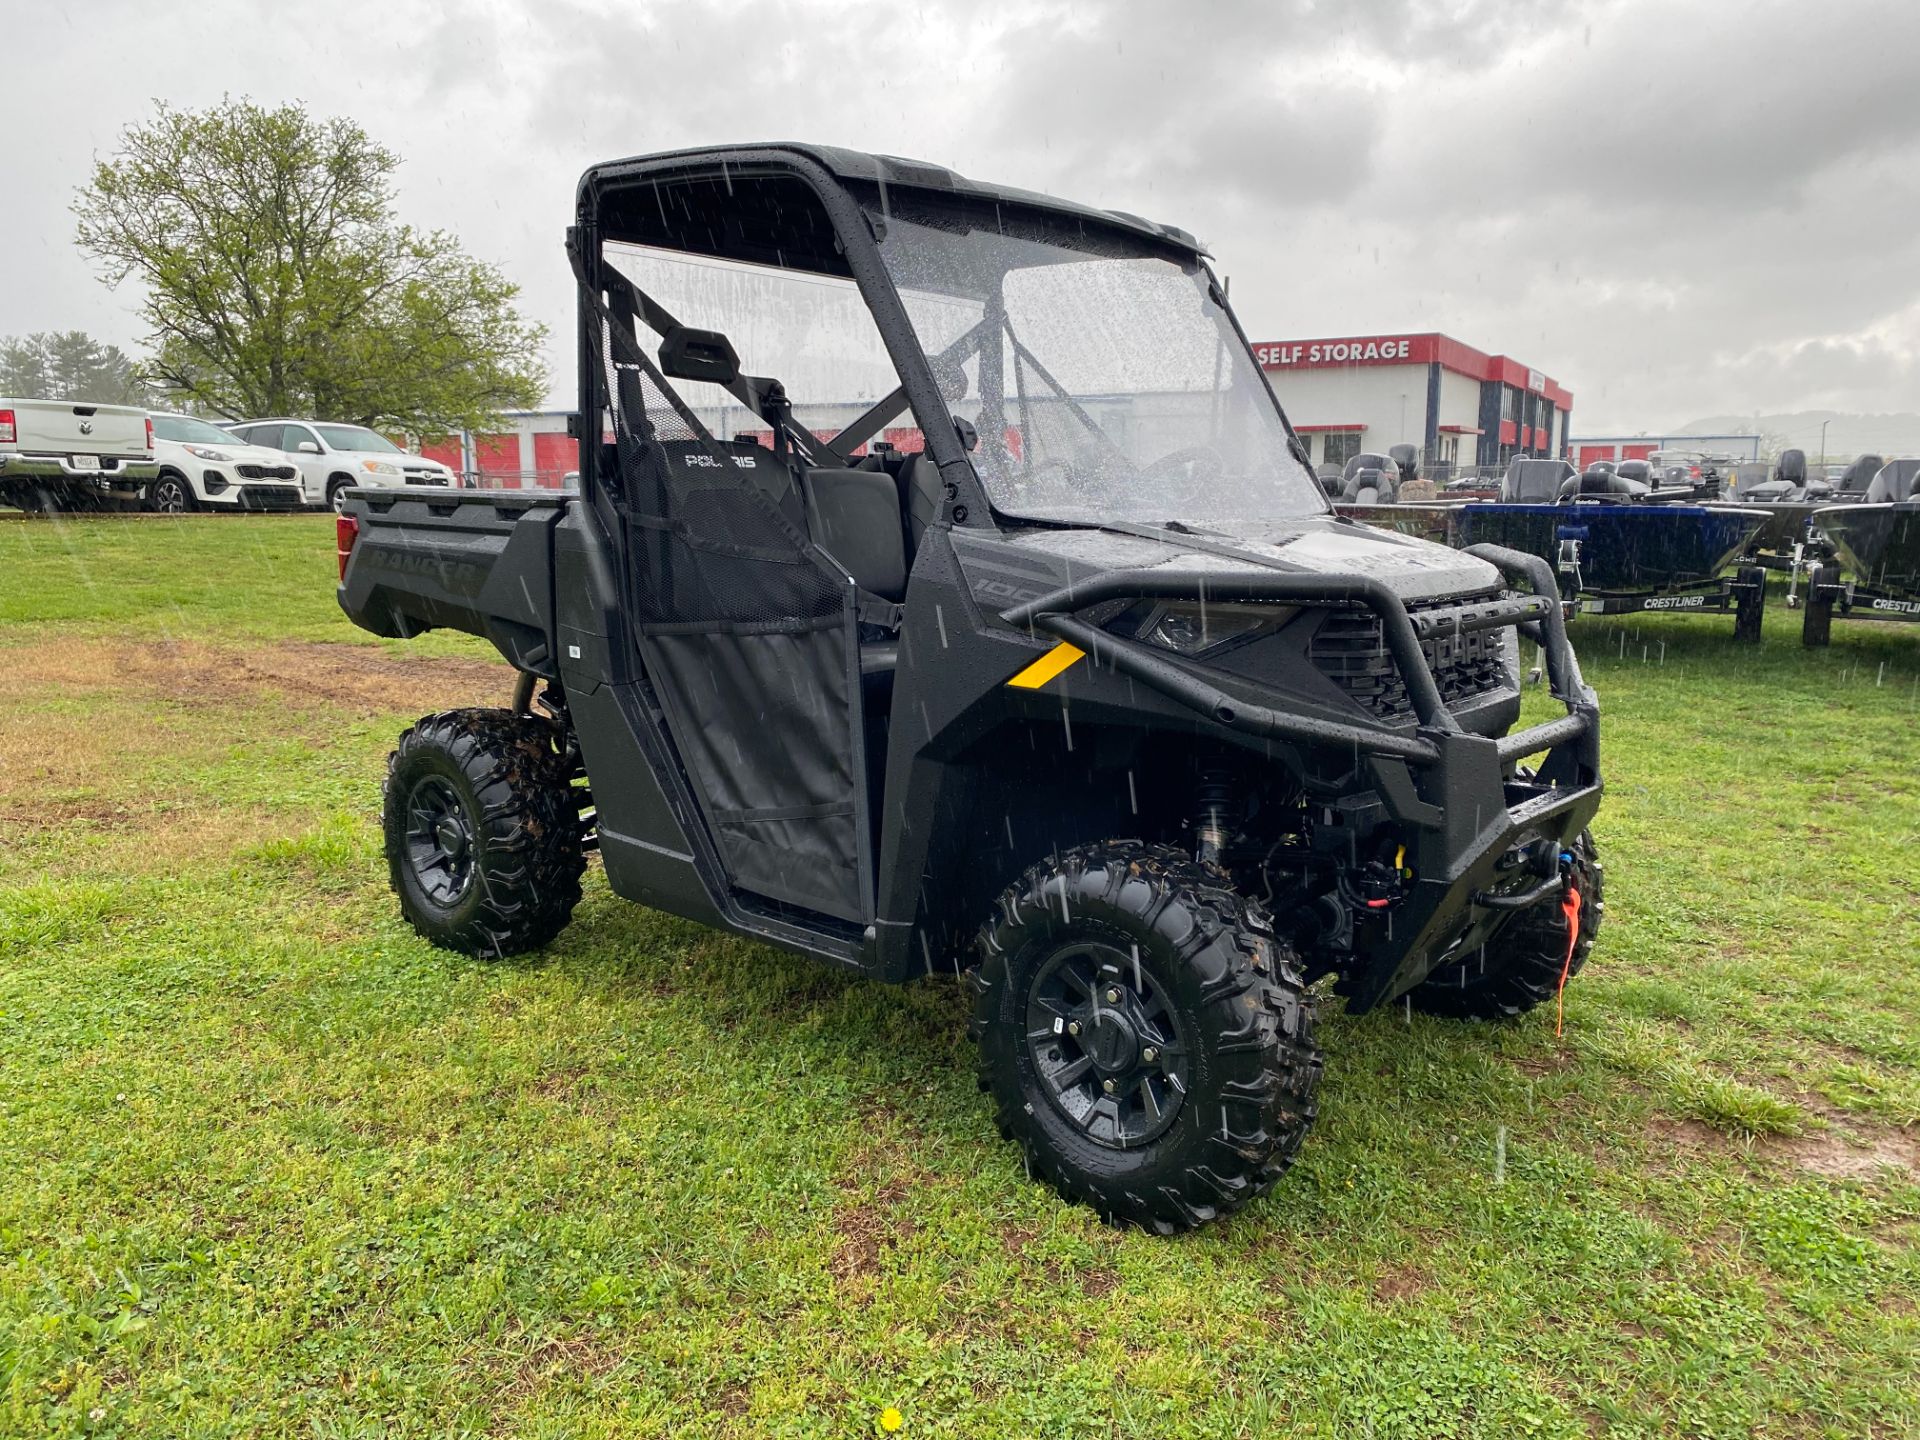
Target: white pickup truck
x=69, y=455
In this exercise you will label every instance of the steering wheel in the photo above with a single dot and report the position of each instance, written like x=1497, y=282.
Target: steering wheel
x=1192, y=462
x=1187, y=456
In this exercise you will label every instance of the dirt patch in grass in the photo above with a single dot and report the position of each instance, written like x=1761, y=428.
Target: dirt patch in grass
x=103, y=777
x=865, y=1231
x=556, y=1358
x=1690, y=1136
x=1399, y=1285
x=364, y=679
x=1842, y=1153
x=1840, y=1156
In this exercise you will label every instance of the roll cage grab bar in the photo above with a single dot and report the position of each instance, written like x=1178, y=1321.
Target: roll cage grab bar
x=1538, y=616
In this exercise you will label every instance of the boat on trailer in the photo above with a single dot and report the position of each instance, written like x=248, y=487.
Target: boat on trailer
x=1874, y=569
x=1623, y=545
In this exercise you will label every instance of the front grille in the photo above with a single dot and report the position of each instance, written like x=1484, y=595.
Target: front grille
x=266, y=472
x=425, y=477
x=1350, y=650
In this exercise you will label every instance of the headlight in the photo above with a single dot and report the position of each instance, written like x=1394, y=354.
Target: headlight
x=379, y=467
x=1190, y=627
x=219, y=457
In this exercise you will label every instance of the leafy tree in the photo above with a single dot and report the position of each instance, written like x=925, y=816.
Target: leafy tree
x=279, y=282
x=68, y=365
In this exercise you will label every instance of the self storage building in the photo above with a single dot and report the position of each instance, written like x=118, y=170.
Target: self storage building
x=1462, y=407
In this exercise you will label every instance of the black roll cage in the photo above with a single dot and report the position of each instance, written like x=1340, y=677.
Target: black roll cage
x=856, y=231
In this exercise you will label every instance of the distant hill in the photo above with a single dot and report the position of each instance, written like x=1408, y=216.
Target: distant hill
x=1847, y=435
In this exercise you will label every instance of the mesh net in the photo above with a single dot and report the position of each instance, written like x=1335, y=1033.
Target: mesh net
x=748, y=634
x=718, y=528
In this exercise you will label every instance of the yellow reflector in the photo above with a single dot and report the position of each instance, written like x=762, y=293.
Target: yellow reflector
x=1047, y=666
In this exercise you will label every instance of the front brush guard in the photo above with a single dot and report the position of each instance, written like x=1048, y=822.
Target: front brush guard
x=1450, y=789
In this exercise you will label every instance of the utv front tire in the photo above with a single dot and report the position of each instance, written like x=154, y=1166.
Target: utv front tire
x=1145, y=1038
x=1522, y=965
x=483, y=831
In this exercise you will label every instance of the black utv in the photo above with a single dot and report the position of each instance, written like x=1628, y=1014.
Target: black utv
x=945, y=590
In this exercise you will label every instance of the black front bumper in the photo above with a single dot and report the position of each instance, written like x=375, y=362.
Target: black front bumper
x=268, y=496
x=1458, y=796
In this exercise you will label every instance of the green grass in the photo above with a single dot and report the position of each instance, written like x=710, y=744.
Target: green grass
x=269, y=1165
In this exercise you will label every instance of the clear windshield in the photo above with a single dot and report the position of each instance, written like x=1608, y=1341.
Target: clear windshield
x=1102, y=377
x=356, y=437
x=185, y=430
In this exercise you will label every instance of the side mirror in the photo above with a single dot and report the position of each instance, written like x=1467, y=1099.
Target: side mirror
x=689, y=354
x=309, y=447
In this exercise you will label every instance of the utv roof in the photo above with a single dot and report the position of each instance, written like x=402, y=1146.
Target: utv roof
x=859, y=166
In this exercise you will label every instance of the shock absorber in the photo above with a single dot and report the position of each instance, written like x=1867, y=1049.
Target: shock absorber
x=1214, y=795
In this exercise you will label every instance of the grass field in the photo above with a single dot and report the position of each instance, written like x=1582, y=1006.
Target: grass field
x=271, y=1165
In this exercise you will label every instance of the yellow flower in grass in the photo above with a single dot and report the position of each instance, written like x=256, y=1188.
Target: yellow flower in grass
x=891, y=1419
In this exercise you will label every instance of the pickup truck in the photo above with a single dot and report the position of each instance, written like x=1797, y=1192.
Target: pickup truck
x=69, y=455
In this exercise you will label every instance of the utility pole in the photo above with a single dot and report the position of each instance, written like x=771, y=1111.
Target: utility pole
x=1823, y=446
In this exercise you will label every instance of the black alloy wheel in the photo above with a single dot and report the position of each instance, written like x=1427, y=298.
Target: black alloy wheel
x=440, y=840
x=1105, y=1043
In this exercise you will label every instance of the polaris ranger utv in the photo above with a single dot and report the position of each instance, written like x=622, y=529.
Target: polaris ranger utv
x=946, y=590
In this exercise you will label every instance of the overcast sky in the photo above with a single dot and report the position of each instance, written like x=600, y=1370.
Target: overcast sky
x=1675, y=209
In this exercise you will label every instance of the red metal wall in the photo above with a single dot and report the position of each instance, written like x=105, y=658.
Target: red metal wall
x=553, y=456
x=497, y=458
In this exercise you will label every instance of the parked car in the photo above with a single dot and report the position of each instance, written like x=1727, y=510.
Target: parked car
x=333, y=458
x=71, y=455
x=203, y=466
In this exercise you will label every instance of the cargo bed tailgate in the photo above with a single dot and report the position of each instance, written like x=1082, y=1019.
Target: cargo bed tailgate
x=477, y=561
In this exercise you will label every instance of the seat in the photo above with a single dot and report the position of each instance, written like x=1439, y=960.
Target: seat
x=854, y=515
x=1860, y=475
x=1370, y=487
x=1598, y=482
x=1365, y=460
x=1791, y=470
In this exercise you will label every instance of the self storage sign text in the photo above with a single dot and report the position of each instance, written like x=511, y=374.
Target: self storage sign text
x=1379, y=350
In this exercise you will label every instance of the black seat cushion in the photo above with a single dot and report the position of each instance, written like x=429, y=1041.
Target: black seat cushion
x=854, y=515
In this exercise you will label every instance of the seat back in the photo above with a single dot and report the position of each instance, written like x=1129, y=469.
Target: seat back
x=1365, y=460
x=1860, y=475
x=1370, y=487
x=854, y=515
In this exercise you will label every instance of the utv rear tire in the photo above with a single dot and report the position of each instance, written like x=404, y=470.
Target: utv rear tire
x=1206, y=1035
x=483, y=831
x=1521, y=967
x=1816, y=626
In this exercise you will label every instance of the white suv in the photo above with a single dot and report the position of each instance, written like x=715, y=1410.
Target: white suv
x=333, y=458
x=203, y=467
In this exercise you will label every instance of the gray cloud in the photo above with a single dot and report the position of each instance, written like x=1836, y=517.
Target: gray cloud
x=1676, y=210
